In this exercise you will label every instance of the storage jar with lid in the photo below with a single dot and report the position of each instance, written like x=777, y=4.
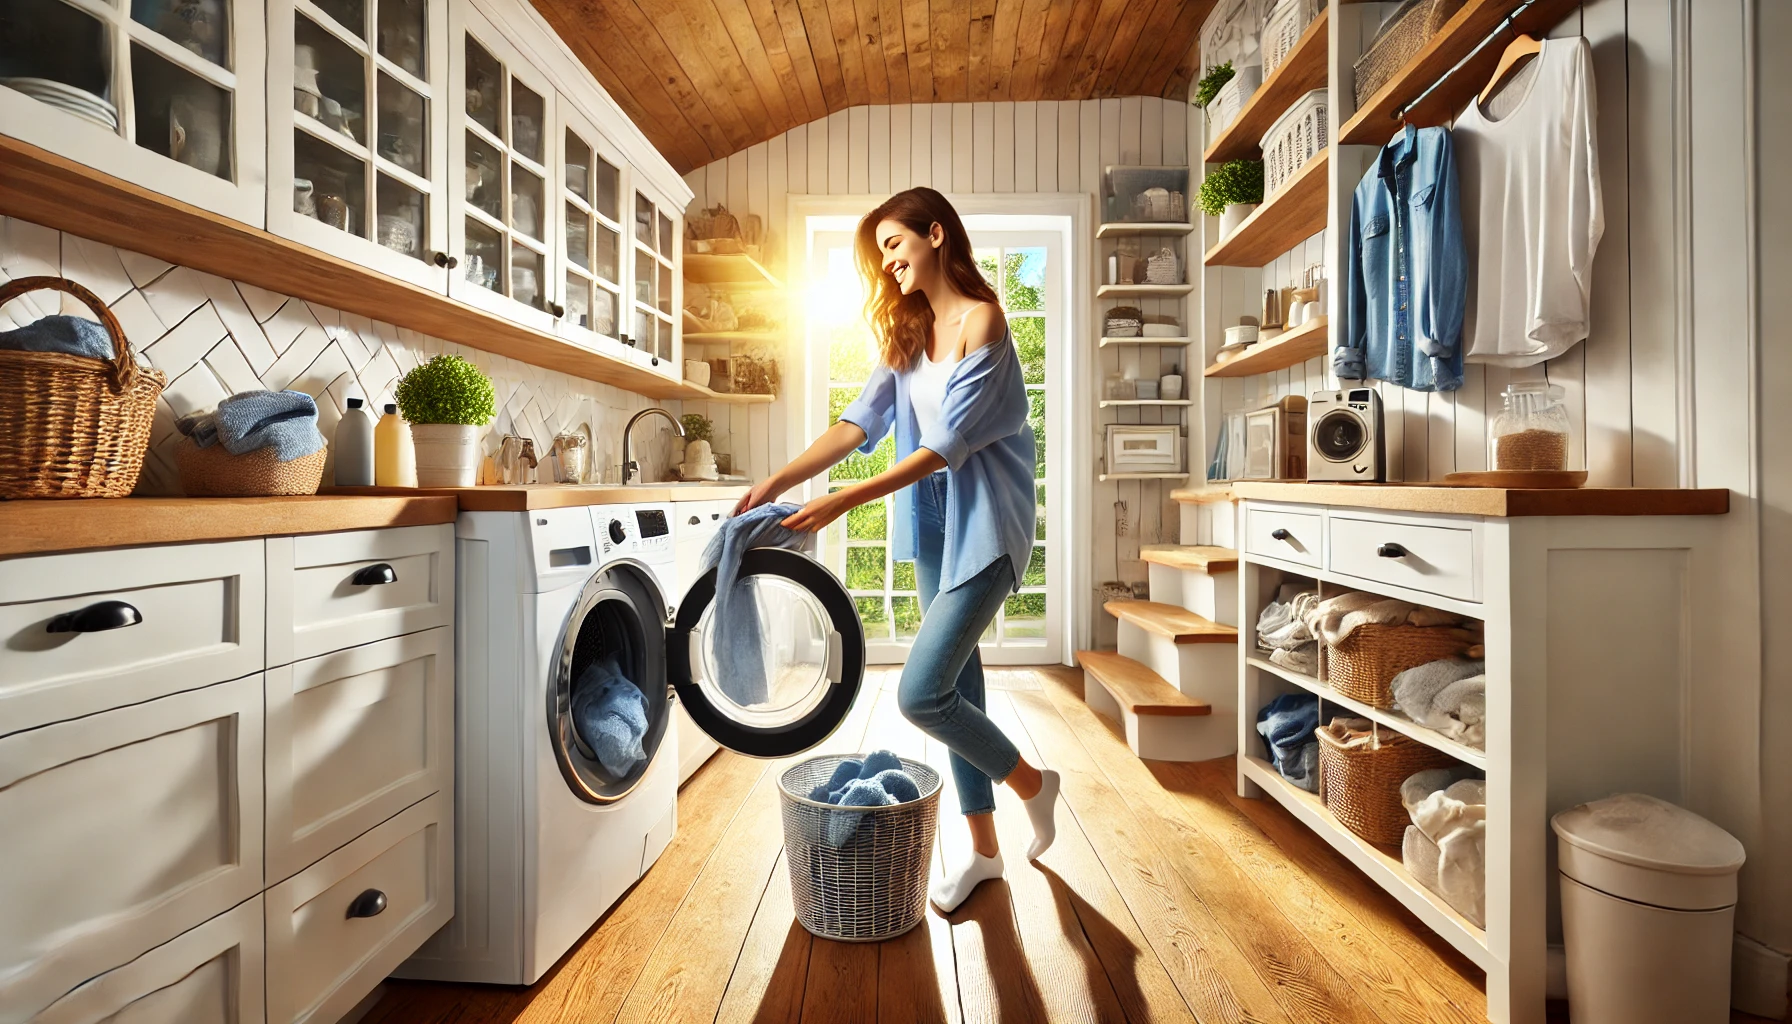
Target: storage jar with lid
x=1530, y=433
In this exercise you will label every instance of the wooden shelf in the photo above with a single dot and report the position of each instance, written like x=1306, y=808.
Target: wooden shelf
x=1207, y=494
x=1138, y=689
x=1105, y=477
x=1179, y=624
x=1291, y=348
x=700, y=393
x=732, y=337
x=44, y=188
x=1383, y=867
x=1392, y=719
x=1496, y=501
x=1300, y=73
x=1144, y=290
x=1107, y=402
x=1286, y=220
x=1376, y=121
x=1157, y=227
x=1204, y=558
x=1105, y=342
x=35, y=526
x=736, y=269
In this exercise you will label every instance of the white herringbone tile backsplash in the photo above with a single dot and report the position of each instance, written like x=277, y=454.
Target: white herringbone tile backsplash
x=214, y=337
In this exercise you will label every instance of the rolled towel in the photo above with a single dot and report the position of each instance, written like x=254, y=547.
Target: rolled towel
x=285, y=421
x=1416, y=689
x=879, y=761
x=843, y=825
x=898, y=784
x=68, y=335
x=1459, y=711
x=609, y=714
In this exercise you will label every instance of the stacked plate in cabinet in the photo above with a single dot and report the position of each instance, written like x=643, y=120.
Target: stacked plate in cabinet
x=62, y=96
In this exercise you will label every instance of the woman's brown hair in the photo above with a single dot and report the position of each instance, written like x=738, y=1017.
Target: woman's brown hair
x=903, y=323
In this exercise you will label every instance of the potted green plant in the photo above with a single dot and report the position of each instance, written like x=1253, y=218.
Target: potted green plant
x=699, y=462
x=446, y=400
x=1211, y=83
x=1231, y=192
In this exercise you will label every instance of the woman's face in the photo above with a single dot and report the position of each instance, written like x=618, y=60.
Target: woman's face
x=911, y=259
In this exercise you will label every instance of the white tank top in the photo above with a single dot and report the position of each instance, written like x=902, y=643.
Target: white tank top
x=927, y=384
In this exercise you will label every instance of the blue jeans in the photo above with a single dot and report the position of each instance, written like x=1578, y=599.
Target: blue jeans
x=942, y=683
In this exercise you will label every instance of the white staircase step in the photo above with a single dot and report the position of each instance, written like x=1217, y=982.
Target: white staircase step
x=1160, y=722
x=1202, y=558
x=1179, y=624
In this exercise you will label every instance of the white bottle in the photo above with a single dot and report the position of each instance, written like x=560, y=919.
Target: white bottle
x=394, y=458
x=353, y=448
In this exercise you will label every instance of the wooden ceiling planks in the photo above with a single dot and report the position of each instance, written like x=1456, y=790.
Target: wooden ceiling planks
x=707, y=78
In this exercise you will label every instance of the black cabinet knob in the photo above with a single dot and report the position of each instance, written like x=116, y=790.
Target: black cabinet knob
x=1391, y=551
x=558, y=310
x=371, y=903
x=1280, y=534
x=695, y=520
x=96, y=618
x=445, y=261
x=374, y=575
x=656, y=360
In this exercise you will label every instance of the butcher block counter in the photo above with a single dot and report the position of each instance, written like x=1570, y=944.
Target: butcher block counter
x=528, y=497
x=34, y=527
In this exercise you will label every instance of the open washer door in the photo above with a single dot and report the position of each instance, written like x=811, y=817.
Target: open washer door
x=781, y=673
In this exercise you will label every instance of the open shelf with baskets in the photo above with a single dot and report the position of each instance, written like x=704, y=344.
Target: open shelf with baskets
x=1283, y=221
x=1302, y=71
x=1392, y=719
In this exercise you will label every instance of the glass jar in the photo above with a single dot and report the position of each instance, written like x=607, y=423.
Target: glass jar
x=1531, y=431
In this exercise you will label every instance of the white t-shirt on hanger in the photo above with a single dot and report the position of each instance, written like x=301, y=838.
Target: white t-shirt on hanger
x=1528, y=168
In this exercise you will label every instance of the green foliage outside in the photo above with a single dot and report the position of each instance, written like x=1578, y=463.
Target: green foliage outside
x=852, y=353
x=907, y=613
x=1036, y=416
x=1211, y=84
x=904, y=576
x=1029, y=340
x=865, y=568
x=1235, y=181
x=1035, y=574
x=1039, y=511
x=864, y=467
x=867, y=522
x=447, y=389
x=871, y=611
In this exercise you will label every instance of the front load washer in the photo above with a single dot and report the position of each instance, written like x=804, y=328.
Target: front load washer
x=546, y=839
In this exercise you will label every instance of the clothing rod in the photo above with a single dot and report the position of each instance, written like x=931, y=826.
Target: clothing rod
x=1506, y=25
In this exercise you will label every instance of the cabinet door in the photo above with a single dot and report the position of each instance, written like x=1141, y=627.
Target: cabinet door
x=656, y=286
x=123, y=830
x=210, y=975
x=357, y=101
x=500, y=146
x=593, y=238
x=167, y=94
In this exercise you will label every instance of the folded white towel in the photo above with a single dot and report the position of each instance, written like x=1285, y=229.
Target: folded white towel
x=1446, y=846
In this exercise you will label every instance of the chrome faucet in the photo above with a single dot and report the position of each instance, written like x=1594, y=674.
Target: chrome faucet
x=628, y=465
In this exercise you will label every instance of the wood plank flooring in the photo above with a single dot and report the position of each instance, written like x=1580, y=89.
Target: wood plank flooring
x=1165, y=898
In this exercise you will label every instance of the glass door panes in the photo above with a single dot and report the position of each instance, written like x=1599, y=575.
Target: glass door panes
x=655, y=270
x=592, y=238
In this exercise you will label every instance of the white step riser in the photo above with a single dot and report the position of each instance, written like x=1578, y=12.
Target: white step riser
x=1210, y=523
x=1164, y=737
x=1214, y=597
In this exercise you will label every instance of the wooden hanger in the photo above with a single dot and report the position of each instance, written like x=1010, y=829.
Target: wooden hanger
x=1520, y=50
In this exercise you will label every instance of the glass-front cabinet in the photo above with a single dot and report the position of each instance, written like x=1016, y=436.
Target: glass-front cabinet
x=357, y=155
x=167, y=94
x=591, y=234
x=657, y=288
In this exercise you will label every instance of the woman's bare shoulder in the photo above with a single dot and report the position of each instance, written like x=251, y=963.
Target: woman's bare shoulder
x=984, y=325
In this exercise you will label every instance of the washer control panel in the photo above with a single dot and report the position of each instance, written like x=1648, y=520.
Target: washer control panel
x=634, y=531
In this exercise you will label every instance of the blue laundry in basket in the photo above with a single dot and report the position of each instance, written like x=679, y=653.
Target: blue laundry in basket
x=843, y=825
x=877, y=781
x=69, y=335
x=610, y=715
x=899, y=784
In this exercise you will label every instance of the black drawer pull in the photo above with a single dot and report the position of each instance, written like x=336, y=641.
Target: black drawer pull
x=1279, y=534
x=371, y=903
x=695, y=520
x=96, y=618
x=1391, y=551
x=374, y=575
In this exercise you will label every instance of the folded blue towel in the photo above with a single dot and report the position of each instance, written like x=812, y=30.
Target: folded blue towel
x=70, y=335
x=877, y=781
x=843, y=826
x=285, y=421
x=610, y=716
x=1286, y=725
x=736, y=623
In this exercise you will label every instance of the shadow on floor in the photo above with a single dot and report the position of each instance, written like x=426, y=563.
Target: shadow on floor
x=1116, y=958
x=1013, y=992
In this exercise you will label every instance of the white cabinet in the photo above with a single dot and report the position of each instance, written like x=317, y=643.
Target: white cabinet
x=658, y=287
x=329, y=591
x=591, y=233
x=167, y=94
x=357, y=95
x=1433, y=554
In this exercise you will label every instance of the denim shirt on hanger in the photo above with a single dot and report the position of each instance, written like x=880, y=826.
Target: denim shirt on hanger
x=1406, y=276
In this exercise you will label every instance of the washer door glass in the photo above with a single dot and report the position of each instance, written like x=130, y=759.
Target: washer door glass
x=607, y=704
x=776, y=671
x=1340, y=436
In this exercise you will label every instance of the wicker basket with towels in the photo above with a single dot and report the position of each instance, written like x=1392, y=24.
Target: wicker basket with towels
x=257, y=443
x=1361, y=768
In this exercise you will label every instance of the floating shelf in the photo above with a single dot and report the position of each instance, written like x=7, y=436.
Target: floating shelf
x=700, y=393
x=1287, y=219
x=1105, y=342
x=1155, y=227
x=1105, y=477
x=1107, y=290
x=1108, y=402
x=1392, y=719
x=1300, y=73
x=1291, y=348
x=1378, y=864
x=1207, y=494
x=731, y=337
x=736, y=268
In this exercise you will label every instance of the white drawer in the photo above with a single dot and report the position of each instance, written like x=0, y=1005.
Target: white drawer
x=210, y=975
x=200, y=607
x=1289, y=536
x=121, y=831
x=1435, y=558
x=353, y=738
x=322, y=961
x=325, y=590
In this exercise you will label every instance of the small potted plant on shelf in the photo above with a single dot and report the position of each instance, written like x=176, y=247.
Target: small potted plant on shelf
x=1210, y=85
x=446, y=400
x=699, y=462
x=1232, y=192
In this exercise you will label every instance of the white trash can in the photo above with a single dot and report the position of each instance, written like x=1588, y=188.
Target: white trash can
x=1648, y=912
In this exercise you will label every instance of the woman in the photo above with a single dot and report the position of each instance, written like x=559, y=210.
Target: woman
x=949, y=382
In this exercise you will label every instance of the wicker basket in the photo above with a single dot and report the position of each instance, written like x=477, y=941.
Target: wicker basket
x=1365, y=664
x=70, y=426
x=1406, y=33
x=1282, y=28
x=858, y=874
x=1296, y=137
x=1163, y=268
x=1360, y=785
x=215, y=473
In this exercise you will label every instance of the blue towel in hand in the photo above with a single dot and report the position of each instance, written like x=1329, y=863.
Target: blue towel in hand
x=610, y=715
x=285, y=421
x=69, y=335
x=736, y=624
x=1286, y=725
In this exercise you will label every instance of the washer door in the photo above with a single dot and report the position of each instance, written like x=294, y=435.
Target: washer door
x=781, y=673
x=612, y=647
x=1340, y=435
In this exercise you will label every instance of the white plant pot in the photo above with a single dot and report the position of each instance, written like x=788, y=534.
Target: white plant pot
x=447, y=454
x=1234, y=216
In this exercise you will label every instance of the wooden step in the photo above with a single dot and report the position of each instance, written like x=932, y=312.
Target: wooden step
x=1197, y=557
x=1137, y=689
x=1202, y=495
x=1179, y=624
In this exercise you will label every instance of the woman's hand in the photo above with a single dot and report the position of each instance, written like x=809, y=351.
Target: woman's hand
x=816, y=515
x=762, y=492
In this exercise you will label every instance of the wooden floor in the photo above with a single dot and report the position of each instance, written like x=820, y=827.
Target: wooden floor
x=1166, y=898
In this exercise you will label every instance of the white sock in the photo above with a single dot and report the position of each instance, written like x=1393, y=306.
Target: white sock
x=948, y=892
x=1041, y=809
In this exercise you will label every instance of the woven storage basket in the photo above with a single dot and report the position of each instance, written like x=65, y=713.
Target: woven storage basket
x=1282, y=27
x=1365, y=664
x=1406, y=33
x=1296, y=137
x=215, y=473
x=1163, y=267
x=1361, y=785
x=70, y=426
x=873, y=885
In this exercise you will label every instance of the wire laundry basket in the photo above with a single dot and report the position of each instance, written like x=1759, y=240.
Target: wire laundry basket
x=858, y=874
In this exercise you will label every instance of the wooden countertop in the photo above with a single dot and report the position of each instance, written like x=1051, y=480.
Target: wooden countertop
x=525, y=497
x=39, y=526
x=1496, y=501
